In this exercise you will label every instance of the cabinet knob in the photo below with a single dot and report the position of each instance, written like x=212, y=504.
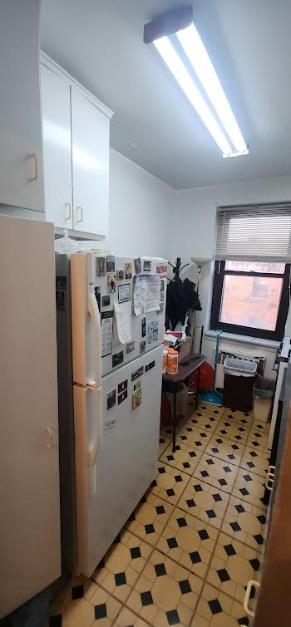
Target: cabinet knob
x=34, y=161
x=68, y=208
x=79, y=214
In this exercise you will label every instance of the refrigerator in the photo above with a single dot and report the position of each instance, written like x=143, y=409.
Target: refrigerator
x=30, y=553
x=117, y=331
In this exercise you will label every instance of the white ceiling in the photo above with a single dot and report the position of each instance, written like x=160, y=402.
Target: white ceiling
x=100, y=43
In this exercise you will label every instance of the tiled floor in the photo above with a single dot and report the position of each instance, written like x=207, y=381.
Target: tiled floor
x=195, y=539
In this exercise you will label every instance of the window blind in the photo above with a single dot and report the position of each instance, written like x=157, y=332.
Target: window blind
x=254, y=233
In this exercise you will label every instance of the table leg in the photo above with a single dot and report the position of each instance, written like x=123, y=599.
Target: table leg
x=174, y=423
x=197, y=387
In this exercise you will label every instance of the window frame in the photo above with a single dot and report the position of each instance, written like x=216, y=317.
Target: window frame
x=215, y=324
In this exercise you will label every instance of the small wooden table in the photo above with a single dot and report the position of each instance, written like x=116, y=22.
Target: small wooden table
x=172, y=383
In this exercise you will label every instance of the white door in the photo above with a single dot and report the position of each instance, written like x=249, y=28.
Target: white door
x=21, y=171
x=115, y=473
x=56, y=125
x=90, y=150
x=29, y=464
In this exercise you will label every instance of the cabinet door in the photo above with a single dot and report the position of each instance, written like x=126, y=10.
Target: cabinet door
x=21, y=171
x=56, y=124
x=90, y=154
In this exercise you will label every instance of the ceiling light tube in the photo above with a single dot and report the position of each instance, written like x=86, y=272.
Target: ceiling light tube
x=197, y=54
x=187, y=84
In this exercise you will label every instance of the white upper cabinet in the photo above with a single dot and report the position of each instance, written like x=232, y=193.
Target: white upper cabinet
x=76, y=129
x=21, y=171
x=56, y=124
x=90, y=145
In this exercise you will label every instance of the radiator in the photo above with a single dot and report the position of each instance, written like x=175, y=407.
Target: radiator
x=219, y=380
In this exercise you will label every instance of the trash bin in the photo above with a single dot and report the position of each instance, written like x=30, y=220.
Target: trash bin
x=239, y=378
x=263, y=393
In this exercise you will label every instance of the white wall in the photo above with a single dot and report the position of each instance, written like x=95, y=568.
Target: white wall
x=195, y=221
x=195, y=210
x=141, y=211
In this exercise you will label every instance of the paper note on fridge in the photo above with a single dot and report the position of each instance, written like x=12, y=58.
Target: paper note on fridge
x=146, y=296
x=123, y=328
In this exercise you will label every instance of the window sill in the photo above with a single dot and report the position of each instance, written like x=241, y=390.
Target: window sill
x=243, y=339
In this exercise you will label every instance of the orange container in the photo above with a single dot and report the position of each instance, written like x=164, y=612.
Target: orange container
x=172, y=361
x=165, y=360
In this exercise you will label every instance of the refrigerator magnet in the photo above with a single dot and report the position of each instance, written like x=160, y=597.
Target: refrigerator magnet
x=129, y=347
x=128, y=270
x=142, y=346
x=123, y=292
x=111, y=399
x=120, y=275
x=137, y=373
x=105, y=301
x=153, y=331
x=111, y=283
x=137, y=265
x=136, y=395
x=162, y=269
x=110, y=263
x=150, y=366
x=122, y=386
x=109, y=424
x=97, y=291
x=122, y=397
x=117, y=359
x=100, y=266
x=147, y=265
x=143, y=327
x=106, y=333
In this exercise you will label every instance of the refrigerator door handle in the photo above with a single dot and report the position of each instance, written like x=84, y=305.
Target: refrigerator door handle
x=94, y=315
x=96, y=430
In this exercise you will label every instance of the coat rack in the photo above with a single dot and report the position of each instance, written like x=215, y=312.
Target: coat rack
x=177, y=269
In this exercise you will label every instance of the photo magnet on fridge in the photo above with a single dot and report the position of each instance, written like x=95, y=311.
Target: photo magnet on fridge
x=129, y=347
x=120, y=275
x=162, y=269
x=143, y=327
x=105, y=301
x=137, y=373
x=122, y=386
x=111, y=399
x=142, y=346
x=147, y=265
x=122, y=397
x=123, y=292
x=111, y=283
x=136, y=395
x=100, y=266
x=110, y=263
x=137, y=265
x=128, y=270
x=97, y=291
x=117, y=359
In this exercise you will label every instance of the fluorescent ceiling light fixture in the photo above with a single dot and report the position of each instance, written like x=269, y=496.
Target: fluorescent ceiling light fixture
x=202, y=87
x=197, y=54
x=186, y=82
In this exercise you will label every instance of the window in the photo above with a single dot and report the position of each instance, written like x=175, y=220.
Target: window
x=251, y=298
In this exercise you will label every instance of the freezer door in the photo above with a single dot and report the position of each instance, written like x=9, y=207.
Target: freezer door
x=86, y=338
x=88, y=440
x=126, y=458
x=29, y=461
x=147, y=331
